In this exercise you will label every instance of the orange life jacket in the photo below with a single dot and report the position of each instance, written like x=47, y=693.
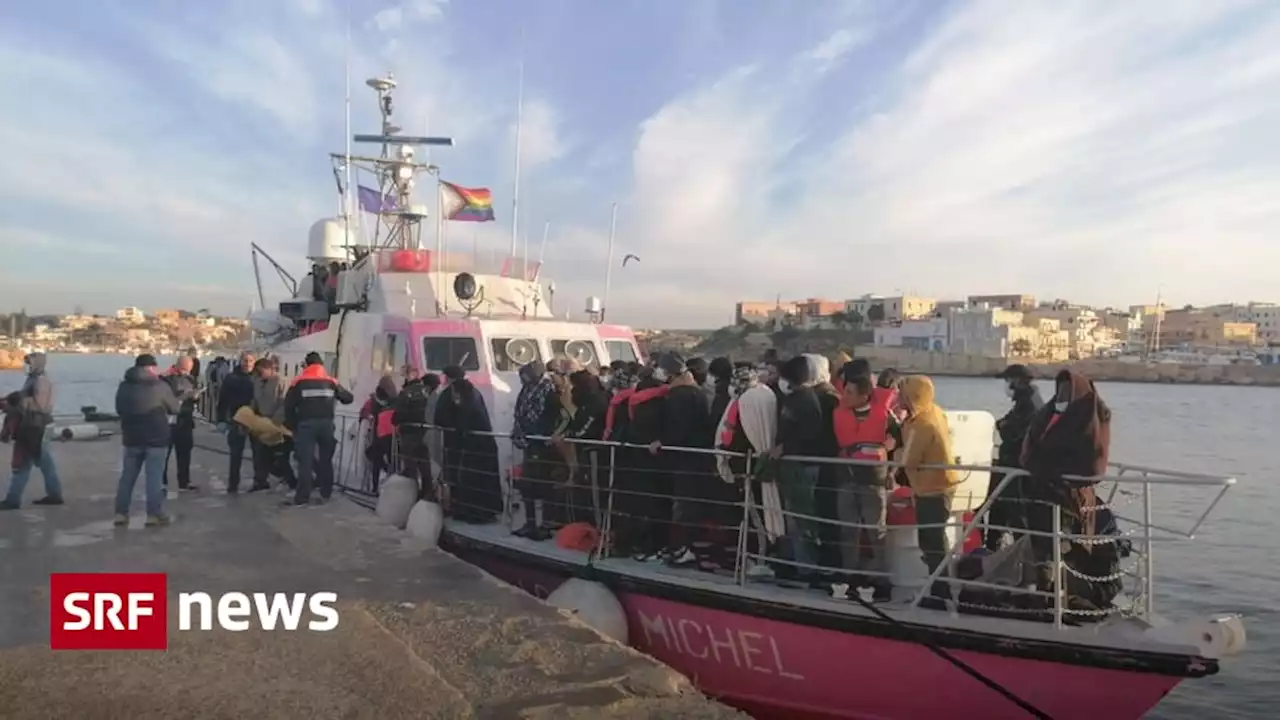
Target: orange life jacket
x=312, y=372
x=865, y=438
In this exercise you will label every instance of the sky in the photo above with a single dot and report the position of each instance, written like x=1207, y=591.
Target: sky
x=1095, y=151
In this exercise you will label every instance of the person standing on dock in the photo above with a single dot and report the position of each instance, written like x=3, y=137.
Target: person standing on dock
x=37, y=414
x=144, y=403
x=268, y=402
x=308, y=414
x=236, y=392
x=182, y=438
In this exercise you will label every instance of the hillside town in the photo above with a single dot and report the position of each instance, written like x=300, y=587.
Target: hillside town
x=129, y=331
x=1017, y=326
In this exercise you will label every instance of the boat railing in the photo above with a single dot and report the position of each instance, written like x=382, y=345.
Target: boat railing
x=619, y=489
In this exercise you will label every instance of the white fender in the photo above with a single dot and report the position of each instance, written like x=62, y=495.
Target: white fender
x=396, y=498
x=426, y=520
x=593, y=604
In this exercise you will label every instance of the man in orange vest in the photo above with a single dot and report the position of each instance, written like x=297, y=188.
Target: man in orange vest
x=865, y=430
x=308, y=413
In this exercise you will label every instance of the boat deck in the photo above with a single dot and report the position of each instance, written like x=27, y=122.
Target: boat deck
x=422, y=634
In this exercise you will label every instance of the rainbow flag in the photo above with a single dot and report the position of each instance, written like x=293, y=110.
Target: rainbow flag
x=466, y=204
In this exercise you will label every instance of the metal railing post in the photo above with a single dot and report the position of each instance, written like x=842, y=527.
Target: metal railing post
x=1058, y=589
x=740, y=564
x=1148, y=567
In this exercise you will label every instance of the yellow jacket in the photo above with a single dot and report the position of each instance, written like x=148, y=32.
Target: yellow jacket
x=927, y=440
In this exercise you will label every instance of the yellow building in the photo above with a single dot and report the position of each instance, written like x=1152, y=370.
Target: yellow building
x=1204, y=328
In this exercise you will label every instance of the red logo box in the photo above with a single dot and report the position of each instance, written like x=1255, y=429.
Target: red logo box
x=108, y=611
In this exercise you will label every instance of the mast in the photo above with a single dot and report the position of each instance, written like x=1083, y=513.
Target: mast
x=515, y=191
x=346, y=158
x=608, y=271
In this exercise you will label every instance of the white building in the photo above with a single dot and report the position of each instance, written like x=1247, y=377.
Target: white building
x=1267, y=317
x=1078, y=322
x=990, y=332
x=130, y=315
x=931, y=335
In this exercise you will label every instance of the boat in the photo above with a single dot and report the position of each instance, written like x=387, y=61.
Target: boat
x=772, y=650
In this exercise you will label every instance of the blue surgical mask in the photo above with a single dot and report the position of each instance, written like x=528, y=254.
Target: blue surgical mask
x=785, y=386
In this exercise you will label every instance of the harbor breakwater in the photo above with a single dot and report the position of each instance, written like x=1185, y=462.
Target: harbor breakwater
x=935, y=363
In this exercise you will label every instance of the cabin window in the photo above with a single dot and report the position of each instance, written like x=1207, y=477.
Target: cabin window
x=510, y=354
x=621, y=350
x=440, y=352
x=397, y=352
x=584, y=351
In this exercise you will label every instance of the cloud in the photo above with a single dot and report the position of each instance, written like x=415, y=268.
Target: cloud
x=1086, y=151
x=1092, y=151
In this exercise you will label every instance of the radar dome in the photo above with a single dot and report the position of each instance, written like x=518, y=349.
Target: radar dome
x=329, y=240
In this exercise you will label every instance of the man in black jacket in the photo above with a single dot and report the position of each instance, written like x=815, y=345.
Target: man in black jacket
x=236, y=392
x=1009, y=509
x=410, y=417
x=144, y=403
x=308, y=413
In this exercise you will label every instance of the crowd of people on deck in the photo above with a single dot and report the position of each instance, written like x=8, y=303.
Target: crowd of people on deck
x=674, y=501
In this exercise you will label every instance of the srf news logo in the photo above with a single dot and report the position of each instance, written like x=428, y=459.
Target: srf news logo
x=130, y=611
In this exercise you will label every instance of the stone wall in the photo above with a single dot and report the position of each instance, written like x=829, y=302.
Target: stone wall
x=919, y=361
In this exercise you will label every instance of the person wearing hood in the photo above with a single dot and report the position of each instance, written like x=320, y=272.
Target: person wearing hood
x=722, y=372
x=379, y=412
x=686, y=423
x=927, y=440
x=182, y=381
x=236, y=392
x=144, y=403
x=36, y=414
x=749, y=425
x=309, y=407
x=1070, y=436
x=536, y=412
x=410, y=418
x=1008, y=509
x=801, y=432
x=470, y=451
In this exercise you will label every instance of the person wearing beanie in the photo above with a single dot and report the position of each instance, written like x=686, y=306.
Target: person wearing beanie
x=801, y=432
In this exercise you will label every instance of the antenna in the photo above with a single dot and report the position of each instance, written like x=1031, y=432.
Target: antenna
x=542, y=251
x=515, y=192
x=608, y=272
x=346, y=158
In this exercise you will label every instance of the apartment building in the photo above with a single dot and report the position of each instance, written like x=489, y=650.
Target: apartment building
x=1006, y=302
x=130, y=315
x=931, y=334
x=167, y=317
x=761, y=312
x=1077, y=322
x=991, y=332
x=1206, y=327
x=895, y=308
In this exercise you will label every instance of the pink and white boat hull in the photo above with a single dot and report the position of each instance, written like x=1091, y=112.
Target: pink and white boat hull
x=791, y=670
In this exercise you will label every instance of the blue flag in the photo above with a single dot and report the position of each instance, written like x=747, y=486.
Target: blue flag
x=373, y=202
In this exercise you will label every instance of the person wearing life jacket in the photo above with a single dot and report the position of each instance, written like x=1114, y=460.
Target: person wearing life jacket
x=864, y=431
x=379, y=412
x=308, y=413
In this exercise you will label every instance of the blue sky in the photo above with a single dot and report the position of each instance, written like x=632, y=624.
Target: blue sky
x=1095, y=151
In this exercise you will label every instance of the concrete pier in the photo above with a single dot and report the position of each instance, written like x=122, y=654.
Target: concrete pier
x=422, y=634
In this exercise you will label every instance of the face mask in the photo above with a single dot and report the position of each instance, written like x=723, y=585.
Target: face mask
x=785, y=386
x=606, y=378
x=660, y=375
x=1060, y=406
x=864, y=408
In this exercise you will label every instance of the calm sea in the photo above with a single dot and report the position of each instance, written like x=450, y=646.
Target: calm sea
x=1217, y=430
